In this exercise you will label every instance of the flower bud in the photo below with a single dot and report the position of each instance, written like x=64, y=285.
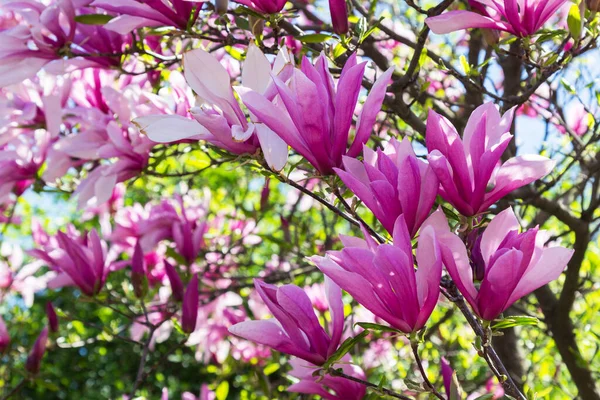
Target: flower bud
x=264, y=195
x=189, y=311
x=34, y=360
x=175, y=281
x=257, y=25
x=4, y=337
x=339, y=16
x=138, y=274
x=52, y=317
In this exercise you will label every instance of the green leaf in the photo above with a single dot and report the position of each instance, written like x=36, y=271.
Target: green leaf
x=93, y=19
x=465, y=65
x=338, y=50
x=567, y=86
x=222, y=390
x=518, y=320
x=269, y=369
x=314, y=38
x=574, y=22
x=376, y=327
x=487, y=396
x=344, y=348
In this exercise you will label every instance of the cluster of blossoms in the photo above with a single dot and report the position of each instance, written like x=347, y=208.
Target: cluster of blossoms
x=500, y=264
x=68, y=116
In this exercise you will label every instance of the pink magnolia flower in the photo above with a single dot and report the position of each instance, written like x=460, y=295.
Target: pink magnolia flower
x=383, y=279
x=45, y=34
x=520, y=18
x=103, y=133
x=20, y=161
x=212, y=339
x=468, y=169
x=328, y=387
x=82, y=261
x=513, y=264
x=314, y=116
x=264, y=6
x=296, y=329
x=391, y=182
x=220, y=120
x=134, y=14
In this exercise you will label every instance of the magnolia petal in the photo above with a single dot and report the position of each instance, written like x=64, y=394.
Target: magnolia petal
x=548, y=268
x=496, y=231
x=452, y=21
x=274, y=148
x=169, y=128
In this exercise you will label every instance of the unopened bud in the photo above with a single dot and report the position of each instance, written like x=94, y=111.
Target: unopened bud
x=175, y=281
x=52, y=317
x=34, y=360
x=189, y=308
x=4, y=337
x=257, y=26
x=138, y=273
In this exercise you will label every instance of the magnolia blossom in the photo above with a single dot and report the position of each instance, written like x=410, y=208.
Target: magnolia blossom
x=507, y=264
x=391, y=182
x=468, y=169
x=135, y=14
x=314, y=116
x=383, y=279
x=296, y=329
x=81, y=261
x=45, y=34
x=520, y=18
x=220, y=119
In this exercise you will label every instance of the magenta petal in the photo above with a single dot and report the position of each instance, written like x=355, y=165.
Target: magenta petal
x=428, y=275
x=496, y=231
x=499, y=282
x=296, y=302
x=368, y=115
x=452, y=21
x=269, y=333
x=548, y=268
x=517, y=172
x=336, y=310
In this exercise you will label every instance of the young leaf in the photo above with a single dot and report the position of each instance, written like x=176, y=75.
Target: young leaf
x=344, y=348
x=511, y=321
x=574, y=22
x=314, y=38
x=376, y=327
x=93, y=19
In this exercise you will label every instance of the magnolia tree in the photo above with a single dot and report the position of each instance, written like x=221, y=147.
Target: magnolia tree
x=270, y=199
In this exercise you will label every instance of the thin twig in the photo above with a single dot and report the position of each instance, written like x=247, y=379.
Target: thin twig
x=335, y=372
x=415, y=349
